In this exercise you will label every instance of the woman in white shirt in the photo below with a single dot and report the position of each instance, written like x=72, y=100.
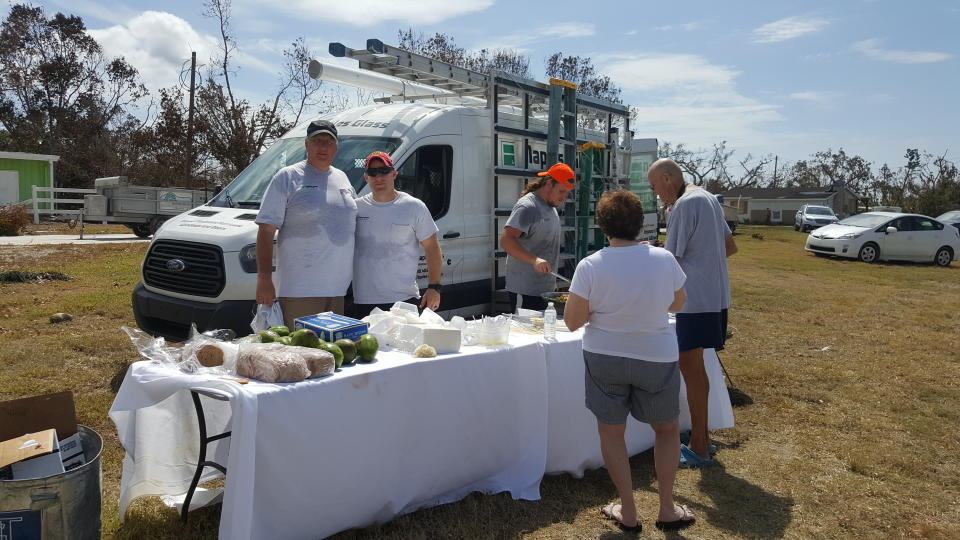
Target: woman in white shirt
x=622, y=294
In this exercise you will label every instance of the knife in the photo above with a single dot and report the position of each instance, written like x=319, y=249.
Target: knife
x=554, y=274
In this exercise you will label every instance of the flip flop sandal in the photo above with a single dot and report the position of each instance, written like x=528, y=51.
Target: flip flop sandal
x=685, y=439
x=690, y=459
x=686, y=520
x=607, y=512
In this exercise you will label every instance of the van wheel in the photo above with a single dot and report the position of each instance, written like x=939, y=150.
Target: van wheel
x=869, y=253
x=796, y=227
x=943, y=257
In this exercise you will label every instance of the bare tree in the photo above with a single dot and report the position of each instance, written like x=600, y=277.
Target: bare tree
x=238, y=131
x=580, y=71
x=443, y=47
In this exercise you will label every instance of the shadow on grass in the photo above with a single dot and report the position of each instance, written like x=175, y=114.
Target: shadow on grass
x=738, y=398
x=152, y=519
x=741, y=507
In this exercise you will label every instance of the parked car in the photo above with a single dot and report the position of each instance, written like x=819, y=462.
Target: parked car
x=811, y=216
x=877, y=236
x=950, y=218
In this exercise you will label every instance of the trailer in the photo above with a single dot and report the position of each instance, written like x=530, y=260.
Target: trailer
x=142, y=208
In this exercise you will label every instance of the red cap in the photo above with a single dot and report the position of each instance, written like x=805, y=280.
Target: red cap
x=382, y=156
x=561, y=172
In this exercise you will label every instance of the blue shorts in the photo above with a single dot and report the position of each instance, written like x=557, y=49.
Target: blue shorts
x=702, y=330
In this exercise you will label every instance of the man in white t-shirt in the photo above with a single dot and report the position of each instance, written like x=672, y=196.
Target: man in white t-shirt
x=312, y=204
x=392, y=227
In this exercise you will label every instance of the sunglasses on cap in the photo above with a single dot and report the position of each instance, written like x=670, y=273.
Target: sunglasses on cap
x=377, y=171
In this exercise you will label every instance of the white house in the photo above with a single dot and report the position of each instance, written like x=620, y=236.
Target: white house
x=781, y=204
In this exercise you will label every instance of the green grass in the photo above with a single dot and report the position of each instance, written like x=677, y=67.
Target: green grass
x=855, y=441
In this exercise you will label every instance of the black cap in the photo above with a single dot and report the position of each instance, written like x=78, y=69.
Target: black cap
x=318, y=127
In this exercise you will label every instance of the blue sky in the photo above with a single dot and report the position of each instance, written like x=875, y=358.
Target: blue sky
x=781, y=77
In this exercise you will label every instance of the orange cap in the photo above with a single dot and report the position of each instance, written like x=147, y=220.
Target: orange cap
x=561, y=172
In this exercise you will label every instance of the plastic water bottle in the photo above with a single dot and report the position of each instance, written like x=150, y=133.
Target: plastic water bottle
x=550, y=323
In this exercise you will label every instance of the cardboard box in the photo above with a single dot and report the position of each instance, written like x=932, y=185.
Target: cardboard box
x=330, y=327
x=34, y=455
x=40, y=413
x=37, y=413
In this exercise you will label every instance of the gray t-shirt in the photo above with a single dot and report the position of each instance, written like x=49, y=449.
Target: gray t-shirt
x=696, y=235
x=317, y=217
x=539, y=225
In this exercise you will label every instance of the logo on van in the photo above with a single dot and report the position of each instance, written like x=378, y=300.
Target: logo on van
x=176, y=265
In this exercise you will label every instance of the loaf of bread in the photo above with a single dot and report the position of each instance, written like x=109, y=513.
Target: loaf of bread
x=319, y=363
x=271, y=362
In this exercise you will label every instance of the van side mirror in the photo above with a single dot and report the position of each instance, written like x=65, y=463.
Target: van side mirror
x=891, y=230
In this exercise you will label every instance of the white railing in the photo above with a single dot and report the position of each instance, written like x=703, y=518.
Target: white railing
x=37, y=201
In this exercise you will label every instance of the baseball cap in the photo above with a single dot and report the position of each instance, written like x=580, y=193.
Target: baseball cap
x=382, y=156
x=561, y=172
x=319, y=127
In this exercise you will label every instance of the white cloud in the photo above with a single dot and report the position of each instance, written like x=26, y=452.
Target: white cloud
x=517, y=41
x=373, y=12
x=811, y=96
x=158, y=44
x=688, y=27
x=788, y=28
x=632, y=32
x=688, y=99
x=871, y=49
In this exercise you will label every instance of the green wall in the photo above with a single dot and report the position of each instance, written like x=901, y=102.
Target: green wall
x=32, y=173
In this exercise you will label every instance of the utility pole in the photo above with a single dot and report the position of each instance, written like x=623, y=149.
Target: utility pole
x=775, y=183
x=193, y=84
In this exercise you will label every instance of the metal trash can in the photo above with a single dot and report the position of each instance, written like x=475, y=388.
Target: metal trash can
x=61, y=506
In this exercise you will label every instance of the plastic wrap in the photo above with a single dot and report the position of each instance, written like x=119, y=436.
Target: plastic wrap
x=271, y=362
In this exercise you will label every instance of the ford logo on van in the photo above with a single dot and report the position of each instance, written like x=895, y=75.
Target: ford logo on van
x=176, y=265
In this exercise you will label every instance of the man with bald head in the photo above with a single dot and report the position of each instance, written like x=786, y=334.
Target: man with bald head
x=700, y=240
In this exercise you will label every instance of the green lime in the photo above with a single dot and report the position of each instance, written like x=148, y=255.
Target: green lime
x=367, y=347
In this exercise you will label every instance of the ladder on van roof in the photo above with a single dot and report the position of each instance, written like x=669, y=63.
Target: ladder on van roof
x=595, y=163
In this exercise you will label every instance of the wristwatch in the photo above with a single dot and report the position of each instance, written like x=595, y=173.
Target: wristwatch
x=435, y=286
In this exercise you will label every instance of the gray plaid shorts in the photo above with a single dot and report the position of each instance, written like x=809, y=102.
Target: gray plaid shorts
x=616, y=385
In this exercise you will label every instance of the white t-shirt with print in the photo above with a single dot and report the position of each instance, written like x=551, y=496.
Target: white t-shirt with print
x=629, y=290
x=388, y=248
x=317, y=215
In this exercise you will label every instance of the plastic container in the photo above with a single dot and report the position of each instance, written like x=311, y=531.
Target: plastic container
x=550, y=322
x=64, y=505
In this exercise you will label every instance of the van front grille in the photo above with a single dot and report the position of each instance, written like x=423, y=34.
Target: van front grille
x=185, y=267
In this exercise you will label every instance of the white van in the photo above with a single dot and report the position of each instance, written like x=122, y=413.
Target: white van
x=201, y=265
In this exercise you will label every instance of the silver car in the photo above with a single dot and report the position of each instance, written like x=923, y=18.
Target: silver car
x=875, y=236
x=811, y=216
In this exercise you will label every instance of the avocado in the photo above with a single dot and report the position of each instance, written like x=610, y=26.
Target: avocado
x=334, y=350
x=280, y=330
x=284, y=340
x=367, y=347
x=349, y=350
x=305, y=338
x=267, y=336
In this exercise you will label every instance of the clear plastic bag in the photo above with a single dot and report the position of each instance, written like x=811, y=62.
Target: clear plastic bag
x=267, y=317
x=183, y=358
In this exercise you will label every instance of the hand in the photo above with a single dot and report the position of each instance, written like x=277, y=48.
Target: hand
x=542, y=266
x=266, y=294
x=430, y=299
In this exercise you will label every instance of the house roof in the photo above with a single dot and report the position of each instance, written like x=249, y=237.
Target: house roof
x=28, y=157
x=776, y=193
x=644, y=145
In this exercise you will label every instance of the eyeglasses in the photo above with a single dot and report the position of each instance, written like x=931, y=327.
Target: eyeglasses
x=377, y=171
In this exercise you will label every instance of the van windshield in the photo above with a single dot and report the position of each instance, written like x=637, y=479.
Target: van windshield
x=246, y=190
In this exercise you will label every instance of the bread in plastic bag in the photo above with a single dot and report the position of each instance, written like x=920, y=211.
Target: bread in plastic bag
x=271, y=362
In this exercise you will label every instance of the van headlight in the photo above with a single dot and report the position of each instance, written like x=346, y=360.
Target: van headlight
x=248, y=258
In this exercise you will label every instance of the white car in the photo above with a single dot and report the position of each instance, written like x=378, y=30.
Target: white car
x=877, y=236
x=811, y=216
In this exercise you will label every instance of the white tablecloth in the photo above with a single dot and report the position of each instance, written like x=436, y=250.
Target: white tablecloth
x=373, y=441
